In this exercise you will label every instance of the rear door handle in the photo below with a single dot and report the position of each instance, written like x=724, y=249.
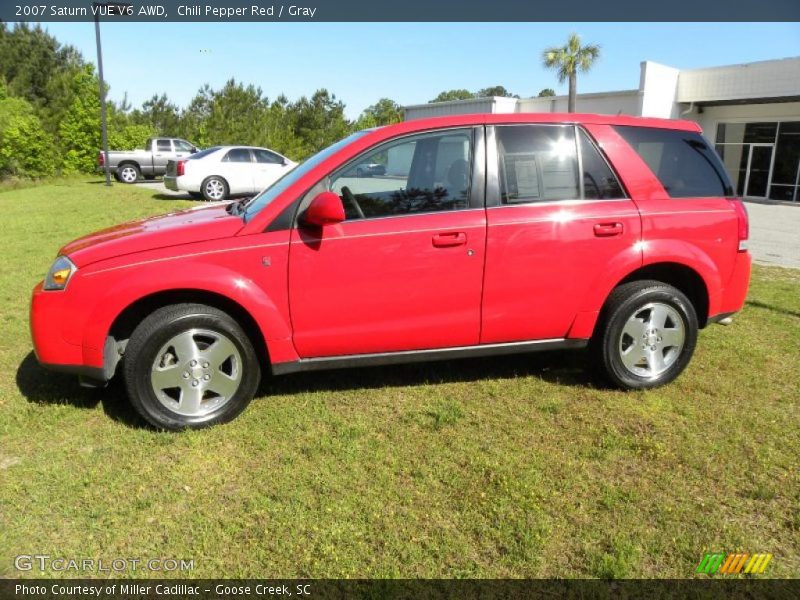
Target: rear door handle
x=445, y=240
x=608, y=229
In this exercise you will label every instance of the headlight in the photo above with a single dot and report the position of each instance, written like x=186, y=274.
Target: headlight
x=59, y=274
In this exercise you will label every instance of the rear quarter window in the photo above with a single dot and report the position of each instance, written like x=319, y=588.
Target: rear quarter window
x=685, y=164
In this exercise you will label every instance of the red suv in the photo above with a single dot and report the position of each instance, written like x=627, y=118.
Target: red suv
x=481, y=235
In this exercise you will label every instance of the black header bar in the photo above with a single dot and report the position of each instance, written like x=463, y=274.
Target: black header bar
x=402, y=11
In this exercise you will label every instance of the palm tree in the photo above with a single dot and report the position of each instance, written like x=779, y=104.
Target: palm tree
x=568, y=60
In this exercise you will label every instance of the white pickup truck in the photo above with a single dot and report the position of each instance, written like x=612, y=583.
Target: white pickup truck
x=129, y=166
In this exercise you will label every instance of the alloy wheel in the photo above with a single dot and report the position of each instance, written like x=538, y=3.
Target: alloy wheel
x=196, y=372
x=128, y=174
x=652, y=339
x=215, y=189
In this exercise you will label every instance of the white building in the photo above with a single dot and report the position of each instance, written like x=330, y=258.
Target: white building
x=750, y=111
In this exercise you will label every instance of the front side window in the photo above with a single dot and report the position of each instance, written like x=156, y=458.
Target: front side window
x=240, y=155
x=537, y=163
x=182, y=146
x=292, y=176
x=164, y=146
x=416, y=174
x=681, y=160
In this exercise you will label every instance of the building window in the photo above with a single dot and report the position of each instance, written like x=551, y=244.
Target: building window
x=786, y=170
x=762, y=158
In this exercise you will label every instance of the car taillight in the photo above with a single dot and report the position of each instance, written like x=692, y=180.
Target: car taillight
x=180, y=168
x=101, y=159
x=743, y=224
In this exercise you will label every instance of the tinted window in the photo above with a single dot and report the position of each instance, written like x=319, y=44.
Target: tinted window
x=181, y=146
x=599, y=181
x=164, y=146
x=421, y=173
x=265, y=156
x=682, y=160
x=537, y=163
x=237, y=155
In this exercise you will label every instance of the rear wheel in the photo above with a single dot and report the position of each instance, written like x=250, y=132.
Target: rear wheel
x=646, y=335
x=128, y=173
x=215, y=188
x=190, y=366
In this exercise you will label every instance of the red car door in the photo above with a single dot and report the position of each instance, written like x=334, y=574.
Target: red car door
x=404, y=270
x=560, y=230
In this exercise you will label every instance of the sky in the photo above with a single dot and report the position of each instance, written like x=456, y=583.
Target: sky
x=407, y=62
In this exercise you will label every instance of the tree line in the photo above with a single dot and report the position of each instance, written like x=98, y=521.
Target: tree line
x=50, y=110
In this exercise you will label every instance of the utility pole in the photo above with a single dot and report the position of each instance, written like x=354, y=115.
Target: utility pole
x=118, y=8
x=103, y=119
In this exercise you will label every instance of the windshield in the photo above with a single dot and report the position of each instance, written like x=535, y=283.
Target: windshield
x=282, y=184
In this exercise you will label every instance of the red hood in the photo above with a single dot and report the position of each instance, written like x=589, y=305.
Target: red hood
x=173, y=229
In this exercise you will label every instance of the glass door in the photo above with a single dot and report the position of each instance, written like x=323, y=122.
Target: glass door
x=758, y=164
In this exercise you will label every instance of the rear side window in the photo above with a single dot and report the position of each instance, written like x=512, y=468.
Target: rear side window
x=684, y=163
x=599, y=181
x=264, y=156
x=537, y=163
x=164, y=146
x=237, y=155
x=203, y=153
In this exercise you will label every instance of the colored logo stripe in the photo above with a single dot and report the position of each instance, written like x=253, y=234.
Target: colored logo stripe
x=732, y=564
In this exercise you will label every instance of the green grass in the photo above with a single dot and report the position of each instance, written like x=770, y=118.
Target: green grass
x=510, y=467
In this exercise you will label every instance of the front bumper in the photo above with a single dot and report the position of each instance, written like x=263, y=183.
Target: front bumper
x=52, y=350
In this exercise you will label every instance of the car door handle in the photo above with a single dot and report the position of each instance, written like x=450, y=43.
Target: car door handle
x=608, y=229
x=445, y=240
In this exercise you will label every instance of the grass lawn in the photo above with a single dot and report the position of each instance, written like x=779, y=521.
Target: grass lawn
x=509, y=467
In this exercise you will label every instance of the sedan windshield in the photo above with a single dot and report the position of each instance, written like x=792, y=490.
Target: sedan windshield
x=282, y=184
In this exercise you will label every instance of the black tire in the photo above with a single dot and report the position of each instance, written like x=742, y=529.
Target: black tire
x=214, y=182
x=197, y=321
x=196, y=195
x=636, y=308
x=129, y=173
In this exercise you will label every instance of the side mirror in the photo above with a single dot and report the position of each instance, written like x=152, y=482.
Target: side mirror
x=194, y=149
x=325, y=209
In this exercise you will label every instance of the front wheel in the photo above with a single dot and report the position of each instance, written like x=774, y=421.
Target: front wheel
x=646, y=335
x=215, y=188
x=190, y=366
